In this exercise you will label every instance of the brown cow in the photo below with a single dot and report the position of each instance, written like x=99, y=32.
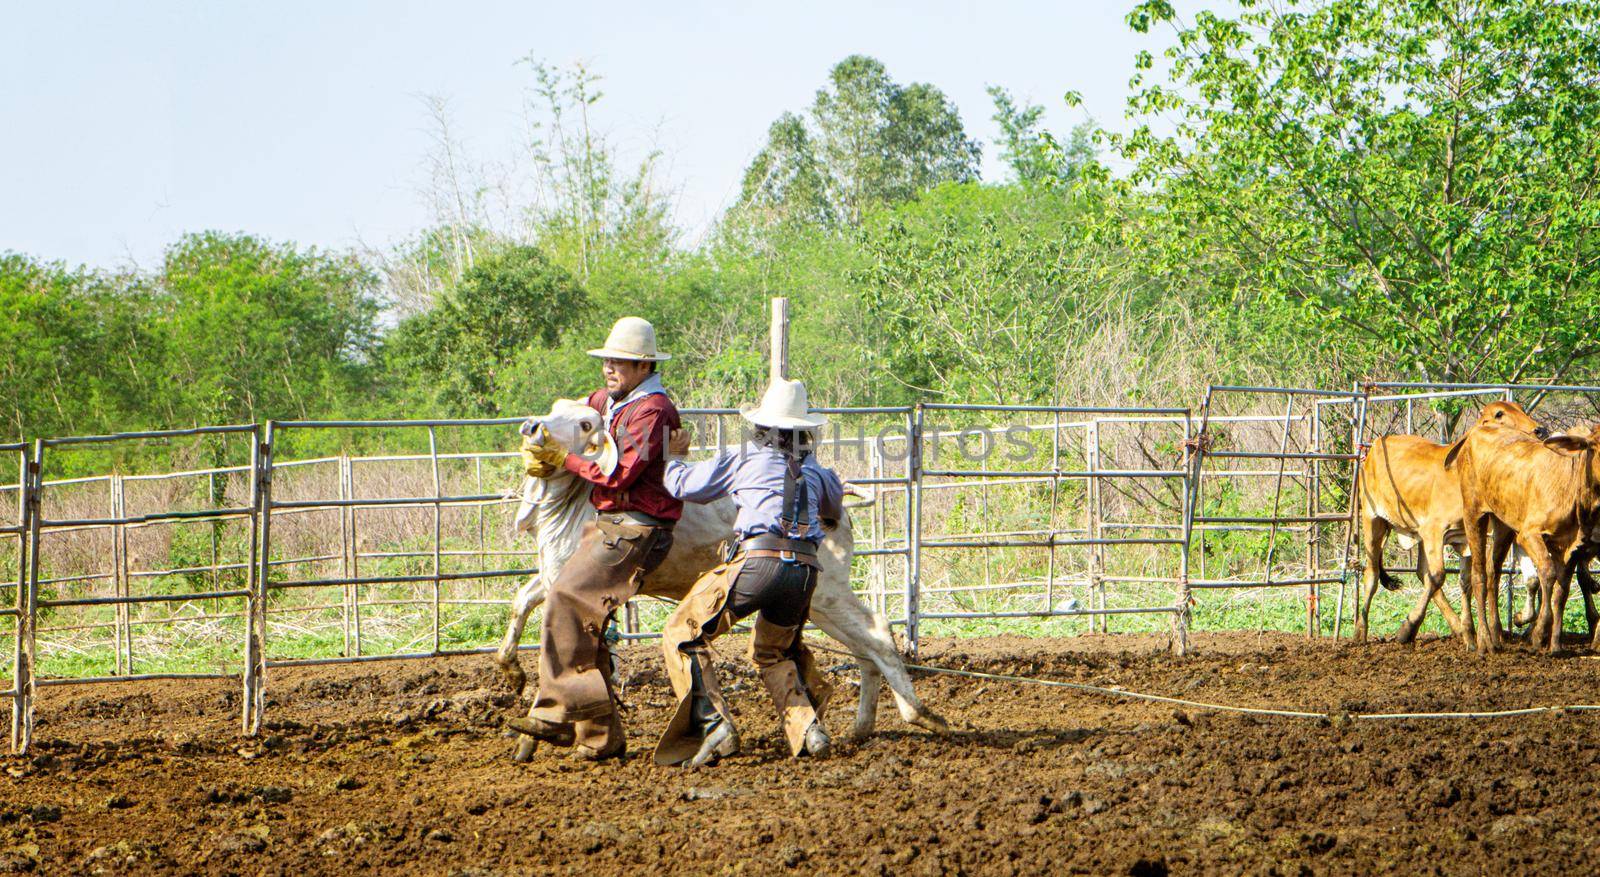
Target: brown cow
x=1406, y=488
x=1545, y=495
x=1587, y=584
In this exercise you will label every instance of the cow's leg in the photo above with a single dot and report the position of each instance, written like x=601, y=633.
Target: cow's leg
x=1468, y=632
x=1430, y=565
x=1528, y=578
x=1558, y=605
x=1430, y=568
x=1547, y=626
x=1588, y=585
x=1472, y=574
x=530, y=595
x=845, y=618
x=1502, y=540
x=1373, y=532
x=867, y=703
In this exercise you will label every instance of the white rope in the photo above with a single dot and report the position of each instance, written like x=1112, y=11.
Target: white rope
x=1230, y=708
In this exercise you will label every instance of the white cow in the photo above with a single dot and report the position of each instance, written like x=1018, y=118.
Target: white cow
x=555, y=509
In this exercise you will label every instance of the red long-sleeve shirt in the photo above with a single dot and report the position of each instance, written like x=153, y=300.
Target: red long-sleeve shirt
x=640, y=431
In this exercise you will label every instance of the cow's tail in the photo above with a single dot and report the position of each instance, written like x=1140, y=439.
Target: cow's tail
x=1389, y=582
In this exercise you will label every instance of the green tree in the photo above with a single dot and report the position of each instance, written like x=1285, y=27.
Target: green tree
x=596, y=216
x=865, y=140
x=979, y=290
x=80, y=353
x=457, y=358
x=1035, y=156
x=256, y=330
x=1415, y=177
x=788, y=175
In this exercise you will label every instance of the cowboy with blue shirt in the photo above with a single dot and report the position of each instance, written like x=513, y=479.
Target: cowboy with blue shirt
x=783, y=497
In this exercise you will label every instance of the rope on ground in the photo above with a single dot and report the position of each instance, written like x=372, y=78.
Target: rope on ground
x=1230, y=708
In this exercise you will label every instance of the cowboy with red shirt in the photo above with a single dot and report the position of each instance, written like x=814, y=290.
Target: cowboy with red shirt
x=628, y=538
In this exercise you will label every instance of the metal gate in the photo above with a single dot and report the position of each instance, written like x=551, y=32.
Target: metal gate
x=1307, y=454
x=996, y=533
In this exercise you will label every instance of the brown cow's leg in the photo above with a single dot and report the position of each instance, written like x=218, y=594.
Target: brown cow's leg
x=1430, y=568
x=1547, y=626
x=1469, y=633
x=1373, y=532
x=1501, y=542
x=1472, y=574
x=1558, y=603
x=1588, y=586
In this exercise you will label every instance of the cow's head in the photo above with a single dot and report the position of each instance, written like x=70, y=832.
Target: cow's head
x=1510, y=414
x=1575, y=442
x=1500, y=415
x=1582, y=445
x=578, y=428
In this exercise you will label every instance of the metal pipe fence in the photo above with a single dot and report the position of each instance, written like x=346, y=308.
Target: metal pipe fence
x=1006, y=566
x=1307, y=503
x=14, y=611
x=277, y=558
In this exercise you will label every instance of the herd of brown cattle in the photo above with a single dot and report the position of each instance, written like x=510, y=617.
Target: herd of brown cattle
x=1507, y=480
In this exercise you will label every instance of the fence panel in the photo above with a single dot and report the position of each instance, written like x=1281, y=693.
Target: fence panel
x=1052, y=512
x=391, y=555
x=139, y=575
x=14, y=587
x=1288, y=452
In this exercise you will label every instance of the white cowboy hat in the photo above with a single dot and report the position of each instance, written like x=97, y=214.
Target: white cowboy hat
x=631, y=338
x=783, y=406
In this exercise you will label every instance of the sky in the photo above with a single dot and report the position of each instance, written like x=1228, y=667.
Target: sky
x=127, y=125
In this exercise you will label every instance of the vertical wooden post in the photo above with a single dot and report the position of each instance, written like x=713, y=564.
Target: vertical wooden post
x=780, y=339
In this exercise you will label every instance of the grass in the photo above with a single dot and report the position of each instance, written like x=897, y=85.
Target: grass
x=215, y=646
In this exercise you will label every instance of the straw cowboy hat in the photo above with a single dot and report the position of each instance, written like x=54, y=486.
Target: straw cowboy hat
x=783, y=406
x=631, y=338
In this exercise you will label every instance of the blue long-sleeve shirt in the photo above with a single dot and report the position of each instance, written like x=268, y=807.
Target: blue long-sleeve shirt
x=753, y=474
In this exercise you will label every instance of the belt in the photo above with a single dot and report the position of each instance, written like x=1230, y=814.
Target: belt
x=639, y=518
x=774, y=542
x=785, y=556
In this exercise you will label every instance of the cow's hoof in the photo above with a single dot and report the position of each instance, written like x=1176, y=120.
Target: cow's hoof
x=1407, y=635
x=860, y=731
x=929, y=720
x=524, y=751
x=514, y=676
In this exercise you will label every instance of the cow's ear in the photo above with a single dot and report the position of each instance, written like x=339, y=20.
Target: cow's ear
x=1455, y=451
x=1567, y=444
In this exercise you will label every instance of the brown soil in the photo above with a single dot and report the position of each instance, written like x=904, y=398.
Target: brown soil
x=401, y=767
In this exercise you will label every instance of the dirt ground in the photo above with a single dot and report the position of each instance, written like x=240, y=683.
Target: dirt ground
x=402, y=768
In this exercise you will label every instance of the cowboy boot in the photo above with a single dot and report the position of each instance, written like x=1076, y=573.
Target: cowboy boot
x=817, y=744
x=796, y=711
x=718, y=737
x=557, y=733
x=614, y=737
